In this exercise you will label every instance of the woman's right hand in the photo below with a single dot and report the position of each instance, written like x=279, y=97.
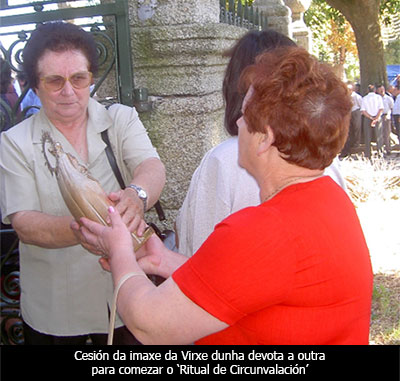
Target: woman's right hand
x=154, y=258
x=150, y=255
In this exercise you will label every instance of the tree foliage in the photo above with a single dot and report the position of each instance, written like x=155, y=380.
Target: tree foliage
x=387, y=9
x=365, y=18
x=332, y=34
x=244, y=2
x=392, y=53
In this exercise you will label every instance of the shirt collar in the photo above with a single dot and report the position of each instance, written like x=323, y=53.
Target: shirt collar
x=98, y=121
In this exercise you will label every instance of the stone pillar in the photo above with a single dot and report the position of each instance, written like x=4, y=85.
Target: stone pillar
x=177, y=55
x=278, y=14
x=299, y=30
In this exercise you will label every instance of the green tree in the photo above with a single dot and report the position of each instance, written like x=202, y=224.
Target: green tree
x=365, y=17
x=392, y=53
x=332, y=35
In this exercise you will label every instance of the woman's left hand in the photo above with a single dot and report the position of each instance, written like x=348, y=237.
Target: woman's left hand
x=76, y=229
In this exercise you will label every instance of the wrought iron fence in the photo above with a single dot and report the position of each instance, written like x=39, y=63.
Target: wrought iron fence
x=11, y=324
x=243, y=15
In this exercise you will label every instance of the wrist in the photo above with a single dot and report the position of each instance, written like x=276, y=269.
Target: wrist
x=141, y=193
x=170, y=262
x=122, y=264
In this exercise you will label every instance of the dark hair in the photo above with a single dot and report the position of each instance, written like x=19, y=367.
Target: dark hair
x=243, y=54
x=5, y=76
x=305, y=104
x=58, y=37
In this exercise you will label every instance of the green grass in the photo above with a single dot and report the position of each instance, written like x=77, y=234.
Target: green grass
x=385, y=317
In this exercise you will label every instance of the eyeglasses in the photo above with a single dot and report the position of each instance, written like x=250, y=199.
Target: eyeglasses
x=78, y=80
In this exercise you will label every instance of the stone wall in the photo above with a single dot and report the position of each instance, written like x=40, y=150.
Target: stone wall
x=299, y=30
x=286, y=16
x=279, y=15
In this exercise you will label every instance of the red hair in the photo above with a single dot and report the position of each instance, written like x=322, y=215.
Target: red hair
x=305, y=104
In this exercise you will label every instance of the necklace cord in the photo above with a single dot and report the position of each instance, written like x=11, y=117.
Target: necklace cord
x=287, y=183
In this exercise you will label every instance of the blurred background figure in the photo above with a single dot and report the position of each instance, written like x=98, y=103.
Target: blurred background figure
x=353, y=140
x=9, y=97
x=30, y=104
x=396, y=112
x=386, y=117
x=371, y=110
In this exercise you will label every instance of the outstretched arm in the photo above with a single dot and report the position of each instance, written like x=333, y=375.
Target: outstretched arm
x=44, y=230
x=155, y=315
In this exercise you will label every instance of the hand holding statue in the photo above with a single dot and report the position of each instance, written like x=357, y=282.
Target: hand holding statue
x=115, y=242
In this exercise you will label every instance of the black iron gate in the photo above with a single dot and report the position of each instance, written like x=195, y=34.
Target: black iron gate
x=112, y=34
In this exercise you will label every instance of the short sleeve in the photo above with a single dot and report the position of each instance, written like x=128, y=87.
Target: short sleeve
x=18, y=186
x=132, y=135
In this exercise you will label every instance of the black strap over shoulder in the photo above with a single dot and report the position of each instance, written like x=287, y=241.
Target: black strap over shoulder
x=114, y=166
x=111, y=159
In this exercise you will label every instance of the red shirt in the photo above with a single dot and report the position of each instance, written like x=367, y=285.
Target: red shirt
x=294, y=270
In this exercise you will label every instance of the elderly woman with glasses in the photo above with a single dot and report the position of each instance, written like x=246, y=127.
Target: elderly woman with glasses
x=294, y=269
x=64, y=293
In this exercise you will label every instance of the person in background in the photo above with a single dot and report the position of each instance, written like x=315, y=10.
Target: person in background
x=64, y=292
x=9, y=111
x=219, y=186
x=386, y=117
x=396, y=112
x=371, y=110
x=30, y=103
x=293, y=270
x=353, y=139
x=391, y=91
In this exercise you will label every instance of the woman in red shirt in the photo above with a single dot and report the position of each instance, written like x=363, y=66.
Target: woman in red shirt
x=293, y=270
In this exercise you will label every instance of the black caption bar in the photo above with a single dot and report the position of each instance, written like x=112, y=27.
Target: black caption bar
x=116, y=362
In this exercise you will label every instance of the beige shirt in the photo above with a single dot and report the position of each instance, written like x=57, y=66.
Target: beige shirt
x=65, y=291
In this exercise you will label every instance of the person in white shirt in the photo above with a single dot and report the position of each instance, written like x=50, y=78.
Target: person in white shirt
x=219, y=186
x=386, y=116
x=354, y=137
x=371, y=110
x=396, y=113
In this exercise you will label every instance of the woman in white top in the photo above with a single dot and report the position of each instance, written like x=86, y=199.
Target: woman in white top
x=219, y=187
